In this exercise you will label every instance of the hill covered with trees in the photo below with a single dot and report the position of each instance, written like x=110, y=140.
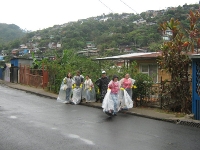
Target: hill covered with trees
x=10, y=32
x=112, y=31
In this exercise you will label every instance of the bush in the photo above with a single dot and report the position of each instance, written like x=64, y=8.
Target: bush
x=143, y=83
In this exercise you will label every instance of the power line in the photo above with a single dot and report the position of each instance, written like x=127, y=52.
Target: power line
x=129, y=6
x=106, y=6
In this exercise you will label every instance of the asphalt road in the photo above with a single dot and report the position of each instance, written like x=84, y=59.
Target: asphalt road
x=31, y=122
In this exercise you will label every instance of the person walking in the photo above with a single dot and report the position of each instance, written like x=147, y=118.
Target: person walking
x=68, y=81
x=127, y=84
x=126, y=92
x=65, y=89
x=111, y=101
x=102, y=83
x=77, y=88
x=89, y=90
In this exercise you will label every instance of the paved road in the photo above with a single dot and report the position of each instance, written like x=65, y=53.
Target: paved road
x=30, y=122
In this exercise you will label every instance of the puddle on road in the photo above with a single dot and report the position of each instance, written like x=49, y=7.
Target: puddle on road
x=13, y=117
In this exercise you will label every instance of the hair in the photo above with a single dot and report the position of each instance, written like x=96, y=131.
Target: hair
x=114, y=76
x=68, y=75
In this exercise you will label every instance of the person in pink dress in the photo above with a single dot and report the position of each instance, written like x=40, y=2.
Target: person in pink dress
x=114, y=86
x=127, y=84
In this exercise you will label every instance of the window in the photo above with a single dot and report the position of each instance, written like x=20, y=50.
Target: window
x=151, y=70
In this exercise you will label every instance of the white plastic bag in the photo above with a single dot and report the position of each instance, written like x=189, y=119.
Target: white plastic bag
x=108, y=103
x=62, y=95
x=77, y=95
x=92, y=95
x=128, y=100
x=125, y=100
x=64, y=87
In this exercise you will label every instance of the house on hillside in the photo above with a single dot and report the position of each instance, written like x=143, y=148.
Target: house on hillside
x=105, y=19
x=23, y=52
x=140, y=21
x=90, y=50
x=4, y=52
x=90, y=44
x=15, y=52
x=1, y=57
x=125, y=48
x=88, y=53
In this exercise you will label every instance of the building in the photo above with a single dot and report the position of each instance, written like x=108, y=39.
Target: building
x=146, y=62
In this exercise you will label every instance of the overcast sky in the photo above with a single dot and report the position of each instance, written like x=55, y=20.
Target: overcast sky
x=39, y=14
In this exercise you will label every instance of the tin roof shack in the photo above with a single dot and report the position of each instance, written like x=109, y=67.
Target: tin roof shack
x=146, y=62
x=24, y=52
x=23, y=61
x=15, y=64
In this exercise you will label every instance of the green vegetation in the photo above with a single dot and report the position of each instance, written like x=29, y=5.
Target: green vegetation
x=175, y=61
x=10, y=35
x=116, y=30
x=122, y=30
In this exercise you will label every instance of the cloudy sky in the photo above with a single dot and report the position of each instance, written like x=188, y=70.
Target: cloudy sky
x=39, y=14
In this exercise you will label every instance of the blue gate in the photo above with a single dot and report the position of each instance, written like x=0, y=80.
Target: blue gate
x=1, y=73
x=196, y=87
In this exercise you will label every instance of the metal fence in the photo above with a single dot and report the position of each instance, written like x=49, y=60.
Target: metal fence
x=151, y=98
x=33, y=77
x=160, y=96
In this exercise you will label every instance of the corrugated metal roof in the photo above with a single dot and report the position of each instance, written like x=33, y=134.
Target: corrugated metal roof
x=132, y=56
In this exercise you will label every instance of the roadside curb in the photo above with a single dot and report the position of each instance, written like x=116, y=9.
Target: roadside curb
x=136, y=114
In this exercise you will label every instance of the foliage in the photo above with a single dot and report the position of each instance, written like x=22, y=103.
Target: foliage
x=9, y=32
x=117, y=30
x=175, y=60
x=143, y=82
x=69, y=62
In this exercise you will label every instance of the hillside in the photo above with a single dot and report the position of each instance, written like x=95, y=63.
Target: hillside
x=9, y=32
x=119, y=33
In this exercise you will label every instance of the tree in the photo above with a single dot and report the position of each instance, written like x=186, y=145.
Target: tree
x=176, y=62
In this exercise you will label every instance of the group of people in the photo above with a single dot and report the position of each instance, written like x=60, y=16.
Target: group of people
x=74, y=89
x=115, y=94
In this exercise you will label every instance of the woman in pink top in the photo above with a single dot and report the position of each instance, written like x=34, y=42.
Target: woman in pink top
x=114, y=86
x=127, y=84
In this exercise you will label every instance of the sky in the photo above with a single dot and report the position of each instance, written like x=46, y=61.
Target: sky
x=40, y=14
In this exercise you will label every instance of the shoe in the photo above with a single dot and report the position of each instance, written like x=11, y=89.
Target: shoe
x=114, y=114
x=124, y=108
x=72, y=103
x=108, y=113
x=111, y=111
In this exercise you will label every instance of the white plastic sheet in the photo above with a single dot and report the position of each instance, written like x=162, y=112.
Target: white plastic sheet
x=63, y=86
x=108, y=103
x=92, y=95
x=62, y=94
x=77, y=95
x=125, y=100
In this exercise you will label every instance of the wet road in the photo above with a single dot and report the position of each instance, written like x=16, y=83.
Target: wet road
x=30, y=122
